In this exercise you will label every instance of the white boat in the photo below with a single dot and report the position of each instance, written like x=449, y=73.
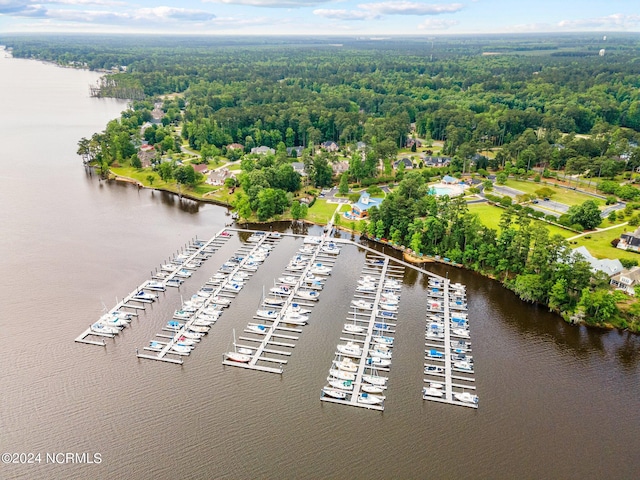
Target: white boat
x=155, y=286
x=182, y=315
x=320, y=269
x=346, y=365
x=187, y=342
x=429, y=369
x=334, y=393
x=375, y=380
x=200, y=322
x=145, y=296
x=295, y=317
x=295, y=308
x=101, y=328
x=463, y=365
x=281, y=290
x=341, y=384
x=220, y=300
x=258, y=328
x=111, y=320
x=361, y=304
x=307, y=249
x=288, y=280
x=331, y=249
x=236, y=355
x=436, y=335
x=431, y=392
x=342, y=375
x=183, y=273
x=312, y=240
x=432, y=353
x=390, y=298
x=461, y=345
x=270, y=314
x=199, y=328
x=180, y=348
x=460, y=332
x=351, y=328
x=219, y=276
x=192, y=335
x=378, y=362
x=379, y=352
x=372, y=389
x=388, y=306
x=370, y=399
x=466, y=397
x=308, y=295
x=350, y=349
x=273, y=302
x=232, y=287
x=382, y=340
x=368, y=288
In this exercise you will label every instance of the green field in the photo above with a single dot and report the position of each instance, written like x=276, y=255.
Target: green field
x=490, y=216
x=321, y=211
x=599, y=244
x=563, y=195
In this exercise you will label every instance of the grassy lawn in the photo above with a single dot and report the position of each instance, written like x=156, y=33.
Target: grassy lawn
x=563, y=195
x=490, y=216
x=599, y=244
x=321, y=211
x=234, y=167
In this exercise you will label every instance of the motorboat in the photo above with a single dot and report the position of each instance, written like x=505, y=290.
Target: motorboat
x=200, y=322
x=368, y=288
x=237, y=357
x=288, y=280
x=320, y=269
x=110, y=320
x=350, y=349
x=220, y=301
x=461, y=345
x=106, y=329
x=389, y=299
x=192, y=335
x=233, y=287
x=180, y=348
x=156, y=345
x=378, y=362
x=352, y=328
x=225, y=234
x=460, y=332
x=391, y=307
x=432, y=392
x=361, y=304
x=184, y=273
x=380, y=352
x=466, y=397
x=295, y=308
x=257, y=328
x=385, y=314
x=382, y=326
x=199, y=328
x=463, y=365
x=375, y=380
x=429, y=369
x=435, y=334
x=331, y=249
x=347, y=365
x=341, y=384
x=342, y=375
x=382, y=340
x=182, y=315
x=273, y=302
x=295, y=317
x=155, y=286
x=375, y=389
x=312, y=240
x=308, y=294
x=269, y=314
x=334, y=393
x=281, y=290
x=434, y=354
x=370, y=399
x=144, y=296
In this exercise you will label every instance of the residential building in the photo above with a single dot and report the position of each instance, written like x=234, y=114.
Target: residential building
x=606, y=265
x=262, y=150
x=360, y=209
x=630, y=241
x=627, y=280
x=217, y=177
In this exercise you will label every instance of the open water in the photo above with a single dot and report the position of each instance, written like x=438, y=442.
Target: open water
x=556, y=401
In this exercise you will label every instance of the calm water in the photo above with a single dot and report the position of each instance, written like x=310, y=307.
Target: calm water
x=556, y=401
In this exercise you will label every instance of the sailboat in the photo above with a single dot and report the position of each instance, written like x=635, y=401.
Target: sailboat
x=236, y=356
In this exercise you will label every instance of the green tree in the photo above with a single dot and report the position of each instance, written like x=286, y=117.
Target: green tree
x=587, y=214
x=343, y=189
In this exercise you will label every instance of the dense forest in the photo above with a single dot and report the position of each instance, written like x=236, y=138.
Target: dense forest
x=567, y=103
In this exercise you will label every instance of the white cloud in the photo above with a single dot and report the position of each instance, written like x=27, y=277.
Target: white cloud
x=345, y=14
x=437, y=24
x=616, y=21
x=411, y=8
x=271, y=3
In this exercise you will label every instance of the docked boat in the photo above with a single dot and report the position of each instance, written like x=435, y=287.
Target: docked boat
x=432, y=392
x=388, y=306
x=341, y=384
x=429, y=369
x=367, y=288
x=295, y=317
x=380, y=352
x=350, y=349
x=312, y=240
x=273, y=302
x=334, y=393
x=308, y=295
x=347, y=365
x=145, y=296
x=463, y=365
x=460, y=332
x=233, y=287
x=288, y=280
x=331, y=249
x=375, y=380
x=352, y=328
x=155, y=286
x=258, y=328
x=183, y=273
x=320, y=269
x=434, y=354
x=269, y=314
x=361, y=304
x=200, y=322
x=466, y=397
x=156, y=345
x=237, y=357
x=435, y=334
x=106, y=329
x=180, y=348
x=382, y=340
x=375, y=389
x=182, y=315
x=382, y=326
x=110, y=320
x=199, y=328
x=342, y=375
x=378, y=362
x=281, y=290
x=192, y=335
x=296, y=308
x=385, y=314
x=370, y=399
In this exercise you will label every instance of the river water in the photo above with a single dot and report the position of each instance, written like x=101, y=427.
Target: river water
x=555, y=401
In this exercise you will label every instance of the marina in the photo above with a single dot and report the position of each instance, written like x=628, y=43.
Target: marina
x=195, y=251
x=353, y=377
x=291, y=297
x=449, y=365
x=196, y=316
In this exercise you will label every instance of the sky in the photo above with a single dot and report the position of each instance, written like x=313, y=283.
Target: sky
x=319, y=17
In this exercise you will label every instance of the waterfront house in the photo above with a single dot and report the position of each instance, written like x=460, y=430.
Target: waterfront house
x=360, y=209
x=146, y=154
x=606, y=265
x=630, y=241
x=217, y=177
x=626, y=280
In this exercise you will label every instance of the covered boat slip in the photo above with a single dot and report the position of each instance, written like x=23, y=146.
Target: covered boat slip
x=369, y=341
x=194, y=250
x=449, y=366
x=179, y=331
x=272, y=331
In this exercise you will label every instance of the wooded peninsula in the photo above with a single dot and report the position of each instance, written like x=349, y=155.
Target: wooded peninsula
x=539, y=133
